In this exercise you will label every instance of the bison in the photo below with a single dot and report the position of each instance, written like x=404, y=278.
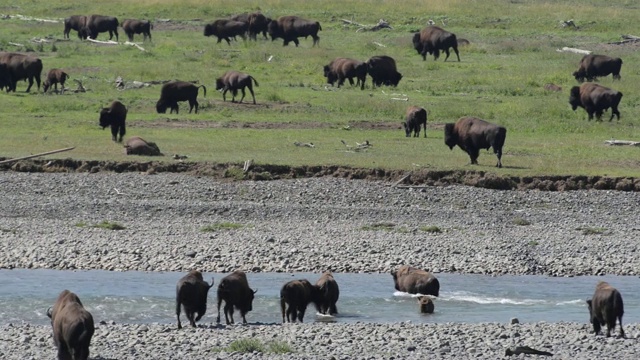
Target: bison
x=55, y=77
x=97, y=24
x=234, y=81
x=226, y=29
x=425, y=304
x=297, y=294
x=74, y=22
x=415, y=281
x=383, y=71
x=21, y=67
x=175, y=91
x=605, y=307
x=235, y=291
x=472, y=134
x=136, y=145
x=191, y=296
x=114, y=116
x=592, y=66
x=258, y=23
x=143, y=27
x=595, y=99
x=344, y=68
x=414, y=118
x=328, y=293
x=5, y=77
x=72, y=327
x=290, y=28
x=432, y=40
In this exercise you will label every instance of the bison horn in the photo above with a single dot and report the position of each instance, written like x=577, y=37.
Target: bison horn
x=212, y=281
x=255, y=291
x=49, y=312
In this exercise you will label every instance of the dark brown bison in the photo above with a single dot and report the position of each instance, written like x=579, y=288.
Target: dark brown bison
x=136, y=145
x=605, y=307
x=72, y=327
x=235, y=291
x=55, y=77
x=234, y=81
x=425, y=304
x=415, y=117
x=97, y=24
x=432, y=40
x=592, y=66
x=472, y=134
x=595, y=99
x=415, y=281
x=21, y=67
x=295, y=296
x=383, y=71
x=226, y=29
x=258, y=23
x=290, y=28
x=328, y=293
x=143, y=27
x=175, y=91
x=191, y=296
x=74, y=22
x=5, y=77
x=340, y=69
x=115, y=117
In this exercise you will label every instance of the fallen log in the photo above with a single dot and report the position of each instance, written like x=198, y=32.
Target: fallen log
x=574, y=50
x=622, y=142
x=36, y=155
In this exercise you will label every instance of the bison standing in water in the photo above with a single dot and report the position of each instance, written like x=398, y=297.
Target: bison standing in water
x=344, y=68
x=191, y=295
x=235, y=291
x=234, y=81
x=72, y=327
x=432, y=40
x=55, y=77
x=143, y=27
x=74, y=22
x=328, y=294
x=115, y=117
x=605, y=307
x=595, y=99
x=414, y=118
x=175, y=91
x=592, y=66
x=290, y=28
x=415, y=281
x=383, y=71
x=472, y=134
x=425, y=305
x=295, y=296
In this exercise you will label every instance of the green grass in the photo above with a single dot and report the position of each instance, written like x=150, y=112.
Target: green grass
x=586, y=230
x=11, y=231
x=221, y=226
x=379, y=226
x=521, y=222
x=431, y=229
x=108, y=225
x=500, y=79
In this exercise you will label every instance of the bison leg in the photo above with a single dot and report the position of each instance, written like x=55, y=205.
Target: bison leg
x=301, y=310
x=614, y=111
x=252, y=94
x=192, y=104
x=621, y=330
x=455, y=49
x=228, y=313
x=473, y=154
x=123, y=130
x=30, y=84
x=282, y=308
x=243, y=95
x=178, y=314
x=63, y=352
x=296, y=41
x=446, y=51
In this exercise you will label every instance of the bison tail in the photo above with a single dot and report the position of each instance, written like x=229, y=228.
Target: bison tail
x=254, y=80
x=319, y=27
x=500, y=138
x=203, y=88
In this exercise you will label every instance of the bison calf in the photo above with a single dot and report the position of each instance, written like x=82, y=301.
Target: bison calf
x=472, y=134
x=415, y=117
x=605, y=307
x=234, y=81
x=328, y=293
x=176, y=91
x=138, y=146
x=143, y=27
x=415, y=281
x=191, y=296
x=235, y=291
x=72, y=327
x=592, y=66
x=595, y=99
x=295, y=296
x=343, y=68
x=425, y=305
x=55, y=77
x=114, y=116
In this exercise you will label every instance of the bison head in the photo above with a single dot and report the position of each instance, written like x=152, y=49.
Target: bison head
x=407, y=129
x=416, y=42
x=450, y=136
x=105, y=117
x=426, y=305
x=274, y=30
x=574, y=97
x=580, y=75
x=209, y=30
x=220, y=84
x=161, y=107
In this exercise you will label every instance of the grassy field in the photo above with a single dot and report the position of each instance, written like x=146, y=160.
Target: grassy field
x=500, y=78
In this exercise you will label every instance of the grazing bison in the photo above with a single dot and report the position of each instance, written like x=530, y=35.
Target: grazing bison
x=21, y=67
x=234, y=81
x=55, y=77
x=226, y=29
x=328, y=293
x=114, y=116
x=415, y=281
x=415, y=117
x=472, y=134
x=136, y=145
x=191, y=295
x=235, y=291
x=72, y=327
x=175, y=91
x=297, y=294
x=344, y=68
x=605, y=307
x=290, y=28
x=74, y=22
x=97, y=24
x=432, y=40
x=143, y=27
x=425, y=305
x=595, y=99
x=383, y=71
x=592, y=66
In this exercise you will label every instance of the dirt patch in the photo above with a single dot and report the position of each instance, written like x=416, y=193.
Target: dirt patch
x=162, y=25
x=234, y=172
x=199, y=124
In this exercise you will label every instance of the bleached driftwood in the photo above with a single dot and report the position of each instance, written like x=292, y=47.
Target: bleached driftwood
x=622, y=142
x=37, y=155
x=122, y=85
x=574, y=50
x=134, y=45
x=80, y=87
x=29, y=18
x=111, y=42
x=15, y=44
x=304, y=144
x=378, y=44
x=359, y=146
x=247, y=165
x=568, y=23
x=382, y=24
x=395, y=184
x=626, y=39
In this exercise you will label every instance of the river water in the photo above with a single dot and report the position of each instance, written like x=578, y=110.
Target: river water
x=145, y=297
